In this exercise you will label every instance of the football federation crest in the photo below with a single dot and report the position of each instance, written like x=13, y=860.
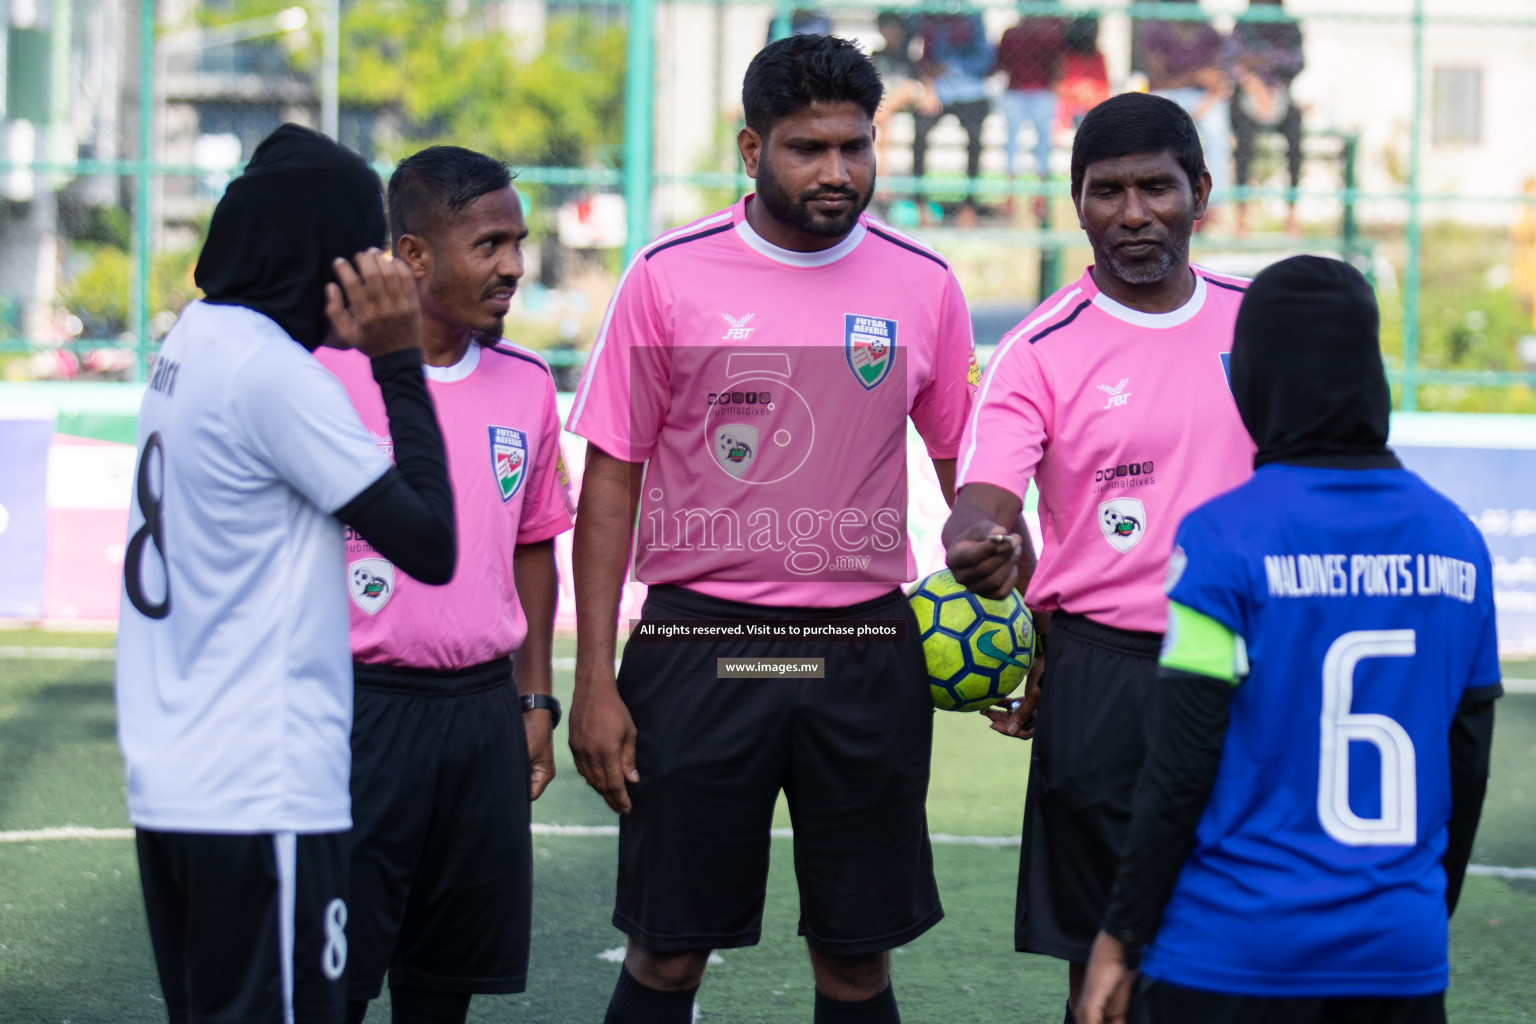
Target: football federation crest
x=735, y=448
x=509, y=459
x=870, y=342
x=1124, y=522
x=371, y=581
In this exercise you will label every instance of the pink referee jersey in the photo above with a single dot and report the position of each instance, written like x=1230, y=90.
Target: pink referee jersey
x=501, y=432
x=1126, y=422
x=768, y=393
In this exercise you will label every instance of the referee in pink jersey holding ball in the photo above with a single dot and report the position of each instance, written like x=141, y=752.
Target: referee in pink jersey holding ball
x=451, y=739
x=1114, y=398
x=759, y=368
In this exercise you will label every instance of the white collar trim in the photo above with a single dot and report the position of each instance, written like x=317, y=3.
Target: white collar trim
x=1172, y=318
x=801, y=259
x=459, y=370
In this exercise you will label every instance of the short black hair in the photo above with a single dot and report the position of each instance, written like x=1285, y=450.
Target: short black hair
x=1136, y=122
x=430, y=186
x=790, y=74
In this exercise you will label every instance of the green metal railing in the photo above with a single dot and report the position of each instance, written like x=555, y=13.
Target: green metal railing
x=637, y=179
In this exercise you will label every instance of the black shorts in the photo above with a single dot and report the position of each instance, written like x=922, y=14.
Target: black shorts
x=442, y=861
x=1087, y=751
x=246, y=928
x=850, y=751
x=1159, y=1002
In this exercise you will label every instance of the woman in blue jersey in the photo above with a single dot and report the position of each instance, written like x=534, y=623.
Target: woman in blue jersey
x=1320, y=744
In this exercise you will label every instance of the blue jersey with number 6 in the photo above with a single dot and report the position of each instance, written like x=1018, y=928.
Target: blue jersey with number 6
x=1365, y=601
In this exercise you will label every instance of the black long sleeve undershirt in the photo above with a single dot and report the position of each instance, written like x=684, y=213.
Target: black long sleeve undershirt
x=1188, y=732
x=1189, y=728
x=407, y=514
x=1471, y=747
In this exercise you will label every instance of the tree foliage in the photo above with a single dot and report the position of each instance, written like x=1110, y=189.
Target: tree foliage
x=449, y=78
x=433, y=72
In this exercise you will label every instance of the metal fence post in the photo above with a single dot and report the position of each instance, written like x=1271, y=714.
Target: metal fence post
x=783, y=20
x=330, y=64
x=639, y=89
x=138, y=297
x=1412, y=269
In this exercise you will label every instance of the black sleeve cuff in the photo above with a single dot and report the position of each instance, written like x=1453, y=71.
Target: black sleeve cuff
x=391, y=363
x=1478, y=694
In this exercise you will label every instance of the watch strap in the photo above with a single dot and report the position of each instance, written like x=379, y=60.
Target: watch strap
x=531, y=701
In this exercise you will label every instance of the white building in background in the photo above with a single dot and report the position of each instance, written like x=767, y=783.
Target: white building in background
x=1476, y=128
x=66, y=93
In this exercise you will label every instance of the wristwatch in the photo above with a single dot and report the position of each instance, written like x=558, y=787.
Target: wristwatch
x=543, y=700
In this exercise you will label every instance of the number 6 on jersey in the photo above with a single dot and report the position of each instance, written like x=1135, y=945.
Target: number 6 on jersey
x=1398, y=824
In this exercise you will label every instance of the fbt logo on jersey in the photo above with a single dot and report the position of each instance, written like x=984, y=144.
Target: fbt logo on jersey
x=738, y=331
x=509, y=460
x=1117, y=394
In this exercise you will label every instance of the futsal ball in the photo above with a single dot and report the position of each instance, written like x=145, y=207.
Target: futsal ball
x=978, y=650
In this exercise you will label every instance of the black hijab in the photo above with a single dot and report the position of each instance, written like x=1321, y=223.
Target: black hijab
x=1306, y=367
x=302, y=201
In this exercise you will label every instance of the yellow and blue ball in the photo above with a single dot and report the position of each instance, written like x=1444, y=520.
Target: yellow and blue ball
x=978, y=650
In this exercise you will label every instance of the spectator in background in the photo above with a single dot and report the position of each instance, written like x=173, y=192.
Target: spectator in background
x=1030, y=55
x=956, y=62
x=1262, y=58
x=1084, y=82
x=803, y=21
x=1183, y=60
x=899, y=72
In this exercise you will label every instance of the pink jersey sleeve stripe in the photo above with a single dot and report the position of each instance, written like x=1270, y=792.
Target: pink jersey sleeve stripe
x=910, y=247
x=876, y=224
x=507, y=348
x=997, y=357
x=1228, y=285
x=602, y=334
x=1235, y=282
x=653, y=250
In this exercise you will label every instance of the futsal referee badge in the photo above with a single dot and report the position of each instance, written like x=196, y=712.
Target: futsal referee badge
x=509, y=459
x=371, y=582
x=869, y=342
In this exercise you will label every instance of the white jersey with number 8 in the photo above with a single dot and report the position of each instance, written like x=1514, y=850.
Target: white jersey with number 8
x=234, y=682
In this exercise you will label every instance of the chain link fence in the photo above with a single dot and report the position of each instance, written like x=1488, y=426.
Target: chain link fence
x=1388, y=132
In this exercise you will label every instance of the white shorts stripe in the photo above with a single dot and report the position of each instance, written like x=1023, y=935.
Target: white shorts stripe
x=286, y=847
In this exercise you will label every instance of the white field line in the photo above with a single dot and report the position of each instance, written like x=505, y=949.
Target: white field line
x=41, y=835
x=1497, y=872
x=58, y=653
x=562, y=663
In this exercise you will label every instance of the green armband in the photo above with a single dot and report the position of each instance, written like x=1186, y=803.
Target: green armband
x=1199, y=644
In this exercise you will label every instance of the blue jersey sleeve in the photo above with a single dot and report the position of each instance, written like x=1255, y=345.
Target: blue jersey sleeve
x=1485, y=678
x=1208, y=575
